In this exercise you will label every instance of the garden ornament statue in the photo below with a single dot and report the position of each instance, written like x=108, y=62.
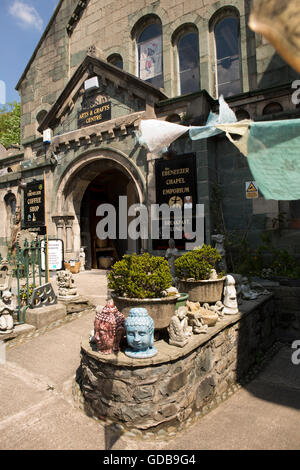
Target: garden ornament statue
x=109, y=328
x=219, y=239
x=230, y=297
x=66, y=285
x=246, y=292
x=82, y=259
x=171, y=255
x=140, y=334
x=7, y=309
x=179, y=331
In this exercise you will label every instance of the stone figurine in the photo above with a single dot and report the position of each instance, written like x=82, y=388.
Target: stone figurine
x=219, y=239
x=5, y=276
x=171, y=255
x=179, y=330
x=246, y=292
x=109, y=328
x=7, y=308
x=230, y=297
x=140, y=334
x=66, y=285
x=205, y=314
x=196, y=323
x=82, y=259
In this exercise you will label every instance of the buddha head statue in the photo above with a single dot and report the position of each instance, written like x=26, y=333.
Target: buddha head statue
x=109, y=328
x=140, y=334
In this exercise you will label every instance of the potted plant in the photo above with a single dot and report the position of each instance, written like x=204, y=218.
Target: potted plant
x=194, y=271
x=142, y=281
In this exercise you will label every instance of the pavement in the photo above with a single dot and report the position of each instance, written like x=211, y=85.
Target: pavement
x=38, y=412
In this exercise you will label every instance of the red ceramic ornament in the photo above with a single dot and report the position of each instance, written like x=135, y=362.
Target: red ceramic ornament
x=109, y=328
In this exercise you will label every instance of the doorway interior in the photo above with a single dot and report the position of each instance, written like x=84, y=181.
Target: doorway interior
x=104, y=189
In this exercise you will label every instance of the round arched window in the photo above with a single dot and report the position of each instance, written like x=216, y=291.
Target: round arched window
x=150, y=57
x=227, y=37
x=116, y=59
x=188, y=56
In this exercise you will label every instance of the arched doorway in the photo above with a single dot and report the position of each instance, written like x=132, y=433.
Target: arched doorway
x=90, y=180
x=106, y=188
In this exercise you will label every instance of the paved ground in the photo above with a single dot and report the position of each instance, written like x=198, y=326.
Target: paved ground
x=37, y=410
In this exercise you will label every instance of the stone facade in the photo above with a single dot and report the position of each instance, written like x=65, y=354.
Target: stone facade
x=76, y=44
x=168, y=389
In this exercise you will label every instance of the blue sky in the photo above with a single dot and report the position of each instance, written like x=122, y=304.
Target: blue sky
x=22, y=22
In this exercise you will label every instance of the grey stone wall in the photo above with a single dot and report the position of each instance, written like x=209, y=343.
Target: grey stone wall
x=164, y=391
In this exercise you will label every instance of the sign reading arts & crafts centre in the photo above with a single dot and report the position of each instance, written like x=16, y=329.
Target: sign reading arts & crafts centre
x=34, y=207
x=94, y=115
x=55, y=255
x=176, y=186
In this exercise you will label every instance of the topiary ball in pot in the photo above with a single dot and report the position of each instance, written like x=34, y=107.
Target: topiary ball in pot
x=193, y=270
x=139, y=281
x=140, y=276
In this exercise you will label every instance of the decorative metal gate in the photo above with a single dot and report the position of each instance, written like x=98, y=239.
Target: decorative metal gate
x=26, y=266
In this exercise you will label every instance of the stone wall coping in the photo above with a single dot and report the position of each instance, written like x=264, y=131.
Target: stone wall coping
x=168, y=353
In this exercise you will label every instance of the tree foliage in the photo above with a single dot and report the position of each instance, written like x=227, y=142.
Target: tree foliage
x=10, y=118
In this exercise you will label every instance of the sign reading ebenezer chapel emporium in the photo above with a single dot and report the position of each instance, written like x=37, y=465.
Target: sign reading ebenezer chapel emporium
x=34, y=207
x=176, y=181
x=176, y=186
x=94, y=115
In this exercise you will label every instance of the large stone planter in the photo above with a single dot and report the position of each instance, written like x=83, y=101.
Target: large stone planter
x=160, y=310
x=203, y=291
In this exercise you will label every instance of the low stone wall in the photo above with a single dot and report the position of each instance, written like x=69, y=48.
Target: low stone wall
x=161, y=392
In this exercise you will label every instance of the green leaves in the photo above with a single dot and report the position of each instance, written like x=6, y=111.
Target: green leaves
x=140, y=276
x=10, y=118
x=197, y=263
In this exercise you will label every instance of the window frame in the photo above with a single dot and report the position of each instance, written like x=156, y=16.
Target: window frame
x=216, y=19
x=177, y=36
x=137, y=31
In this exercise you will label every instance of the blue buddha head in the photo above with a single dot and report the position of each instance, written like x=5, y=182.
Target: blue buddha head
x=139, y=331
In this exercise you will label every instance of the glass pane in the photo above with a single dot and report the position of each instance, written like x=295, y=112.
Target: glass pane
x=150, y=55
x=188, y=51
x=228, y=57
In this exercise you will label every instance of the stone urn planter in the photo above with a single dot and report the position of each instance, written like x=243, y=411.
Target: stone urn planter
x=209, y=291
x=160, y=310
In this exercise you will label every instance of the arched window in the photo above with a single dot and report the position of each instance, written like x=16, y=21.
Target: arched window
x=41, y=116
x=188, y=57
x=10, y=203
x=116, y=59
x=227, y=38
x=272, y=108
x=150, y=57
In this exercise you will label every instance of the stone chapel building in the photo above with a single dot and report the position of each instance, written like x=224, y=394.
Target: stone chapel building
x=161, y=59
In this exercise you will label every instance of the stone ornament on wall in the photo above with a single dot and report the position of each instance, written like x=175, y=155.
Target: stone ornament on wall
x=109, y=328
x=140, y=334
x=179, y=330
x=7, y=308
x=230, y=297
